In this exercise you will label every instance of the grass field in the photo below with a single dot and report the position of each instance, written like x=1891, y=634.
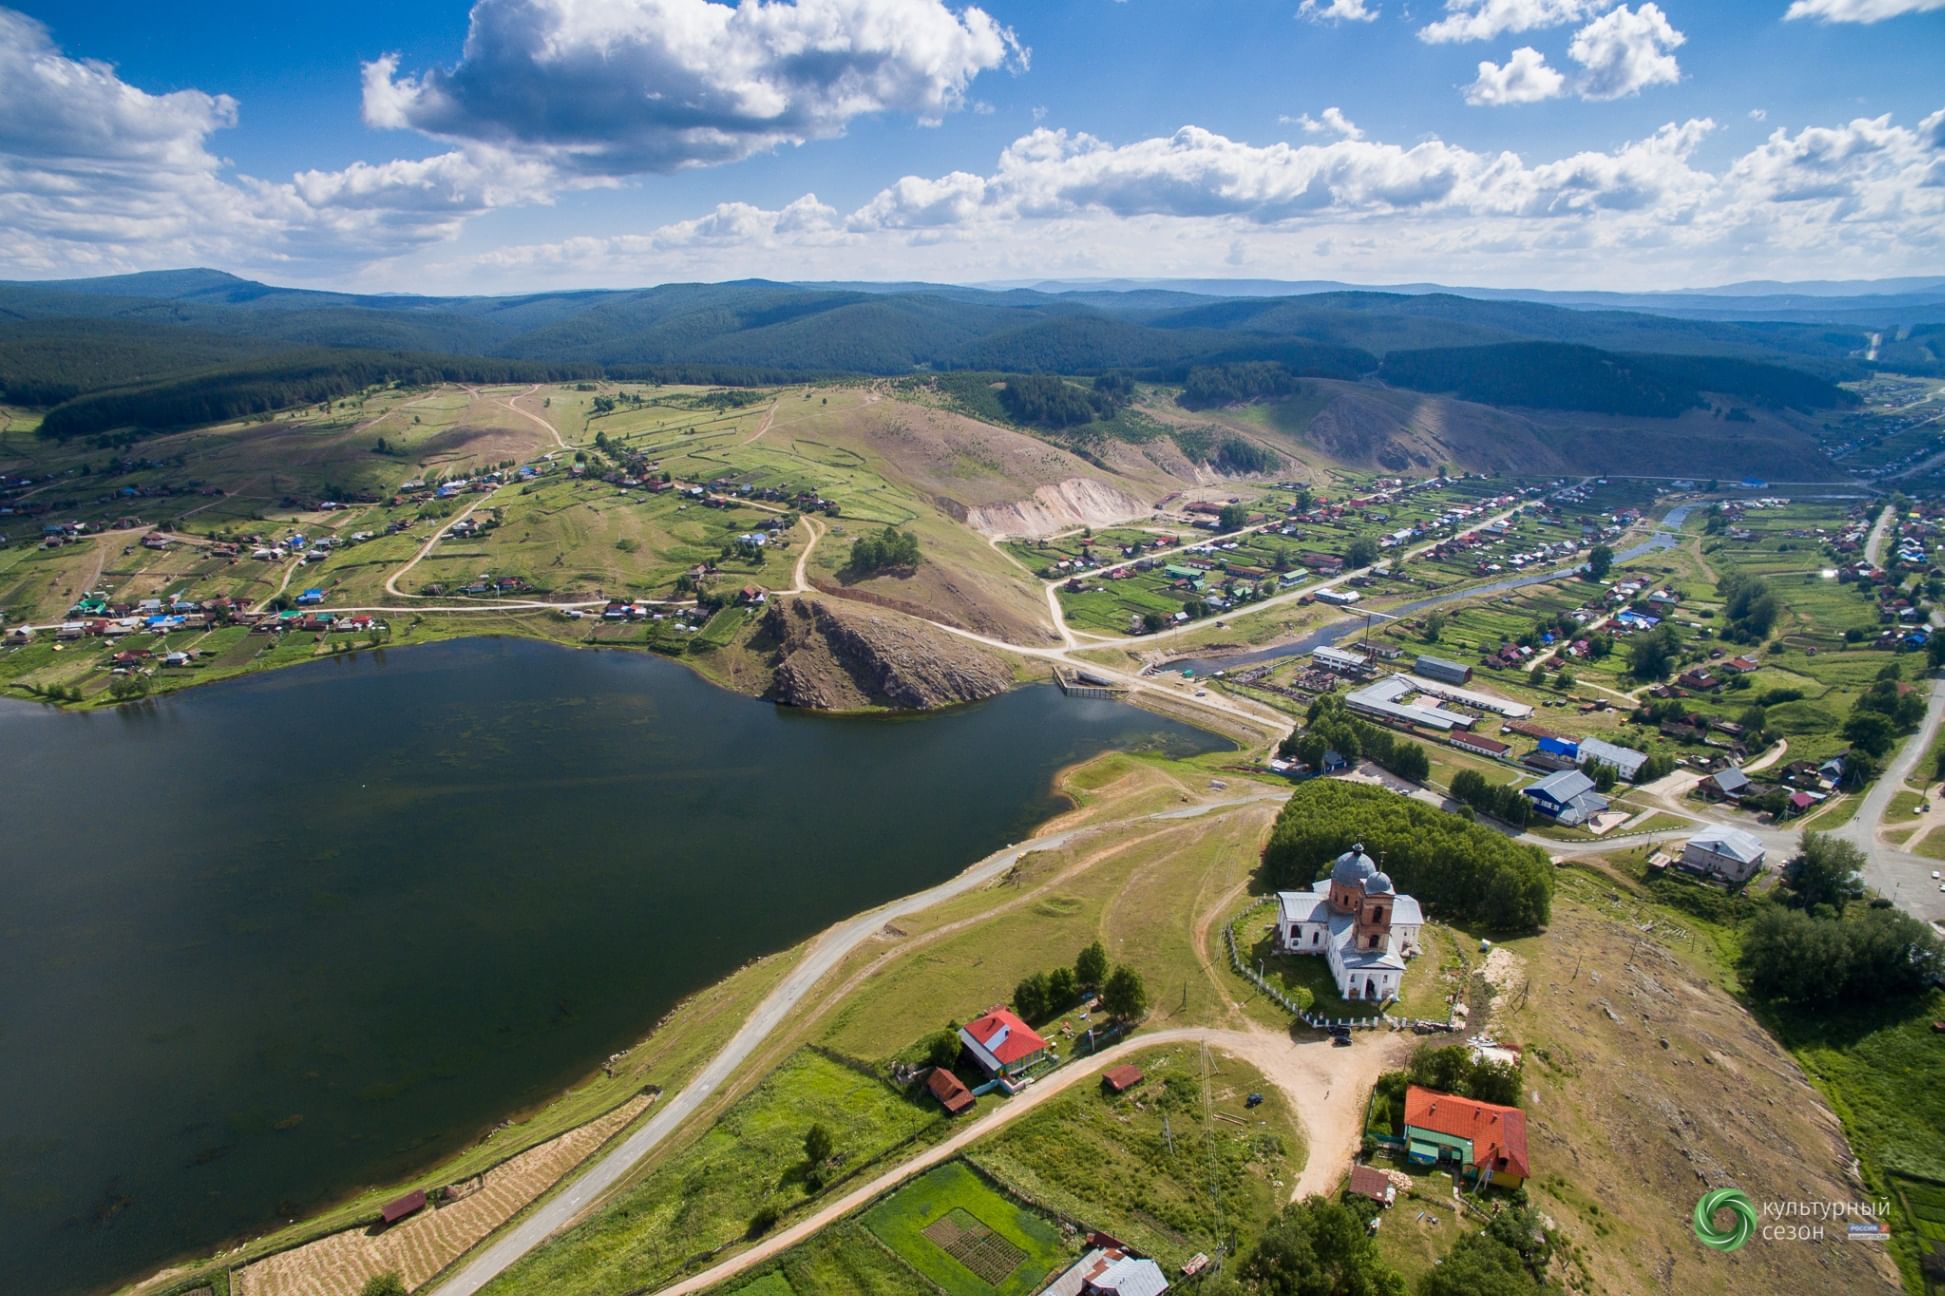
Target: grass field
x=1148, y=1166
x=1878, y=1065
x=1136, y=892
x=1028, y=1247
x=843, y=1260
x=751, y=1161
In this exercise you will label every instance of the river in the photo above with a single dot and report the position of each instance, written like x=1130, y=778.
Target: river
x=1666, y=535
x=275, y=939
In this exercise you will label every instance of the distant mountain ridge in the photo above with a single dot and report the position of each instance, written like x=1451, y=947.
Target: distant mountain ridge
x=65, y=340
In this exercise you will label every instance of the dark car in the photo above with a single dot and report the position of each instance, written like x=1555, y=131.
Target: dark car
x=1341, y=1041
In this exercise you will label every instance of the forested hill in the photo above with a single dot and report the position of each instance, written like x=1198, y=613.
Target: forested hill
x=1552, y=375
x=141, y=342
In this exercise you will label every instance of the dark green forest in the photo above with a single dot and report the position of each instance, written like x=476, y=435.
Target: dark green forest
x=170, y=348
x=279, y=382
x=1459, y=870
x=1550, y=375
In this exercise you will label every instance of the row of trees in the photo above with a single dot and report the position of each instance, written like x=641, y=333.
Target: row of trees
x=1502, y=801
x=280, y=382
x=1331, y=726
x=1466, y=872
x=1047, y=994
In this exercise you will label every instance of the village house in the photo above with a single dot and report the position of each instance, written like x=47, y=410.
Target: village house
x=1568, y=798
x=1489, y=747
x=1725, y=854
x=1487, y=1142
x=1110, y=1271
x=1729, y=783
x=1624, y=761
x=1358, y=922
x=1371, y=1183
x=1002, y=1044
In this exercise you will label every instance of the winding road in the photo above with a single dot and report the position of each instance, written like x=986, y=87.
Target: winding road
x=824, y=955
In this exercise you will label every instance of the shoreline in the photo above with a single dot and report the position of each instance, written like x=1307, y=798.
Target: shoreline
x=1023, y=676
x=777, y=969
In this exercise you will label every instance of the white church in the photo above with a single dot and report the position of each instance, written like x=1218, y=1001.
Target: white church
x=1358, y=921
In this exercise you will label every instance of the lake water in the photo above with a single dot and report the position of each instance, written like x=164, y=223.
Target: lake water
x=268, y=941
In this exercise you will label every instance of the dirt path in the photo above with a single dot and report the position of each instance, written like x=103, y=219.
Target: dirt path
x=391, y=582
x=1325, y=1085
x=769, y=417
x=1880, y=532
x=800, y=575
x=826, y=952
x=282, y=585
x=551, y=430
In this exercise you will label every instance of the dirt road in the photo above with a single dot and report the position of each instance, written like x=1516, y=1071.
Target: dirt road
x=391, y=582
x=800, y=575
x=551, y=430
x=825, y=953
x=1325, y=1085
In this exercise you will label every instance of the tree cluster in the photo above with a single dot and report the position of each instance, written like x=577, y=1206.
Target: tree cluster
x=1331, y=726
x=1868, y=953
x=1209, y=386
x=1654, y=654
x=1046, y=401
x=1881, y=713
x=1500, y=800
x=1558, y=375
x=886, y=550
x=1749, y=607
x=1465, y=872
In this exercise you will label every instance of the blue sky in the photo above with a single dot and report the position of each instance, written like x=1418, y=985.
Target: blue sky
x=589, y=142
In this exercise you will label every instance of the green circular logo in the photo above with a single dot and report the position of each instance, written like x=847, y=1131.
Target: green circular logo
x=1743, y=1225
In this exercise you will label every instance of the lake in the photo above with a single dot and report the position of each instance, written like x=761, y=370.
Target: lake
x=275, y=939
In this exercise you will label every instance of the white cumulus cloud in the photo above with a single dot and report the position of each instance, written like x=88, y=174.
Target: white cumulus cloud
x=99, y=175
x=1625, y=51
x=1336, y=11
x=1859, y=11
x=1523, y=78
x=1475, y=20
x=625, y=87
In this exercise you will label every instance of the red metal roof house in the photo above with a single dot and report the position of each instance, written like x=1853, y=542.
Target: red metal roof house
x=1001, y=1043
